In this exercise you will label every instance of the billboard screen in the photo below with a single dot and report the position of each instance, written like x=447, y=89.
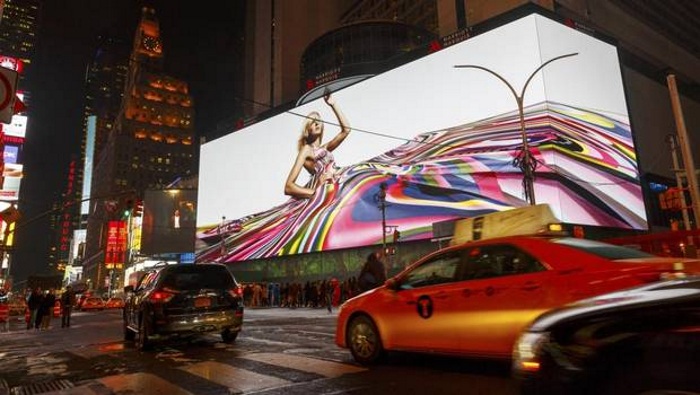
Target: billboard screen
x=12, y=177
x=444, y=140
x=115, y=248
x=168, y=221
x=10, y=154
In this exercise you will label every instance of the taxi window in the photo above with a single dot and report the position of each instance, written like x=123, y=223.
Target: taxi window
x=603, y=250
x=497, y=261
x=439, y=270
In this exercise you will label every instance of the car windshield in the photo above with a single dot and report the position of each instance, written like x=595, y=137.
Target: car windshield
x=603, y=250
x=194, y=277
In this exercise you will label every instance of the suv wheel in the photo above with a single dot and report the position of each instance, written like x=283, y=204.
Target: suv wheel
x=229, y=336
x=129, y=335
x=144, y=342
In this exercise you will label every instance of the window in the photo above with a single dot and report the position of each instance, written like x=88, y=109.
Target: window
x=603, y=250
x=497, y=261
x=439, y=270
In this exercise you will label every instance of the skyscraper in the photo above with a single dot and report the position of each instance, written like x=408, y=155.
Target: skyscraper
x=150, y=145
x=19, y=24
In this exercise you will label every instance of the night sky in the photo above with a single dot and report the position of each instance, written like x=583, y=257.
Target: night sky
x=202, y=46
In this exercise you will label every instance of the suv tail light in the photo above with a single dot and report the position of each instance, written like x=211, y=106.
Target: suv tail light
x=160, y=296
x=236, y=292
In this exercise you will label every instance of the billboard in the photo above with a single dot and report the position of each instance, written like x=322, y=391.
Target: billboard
x=169, y=219
x=12, y=176
x=115, y=248
x=444, y=141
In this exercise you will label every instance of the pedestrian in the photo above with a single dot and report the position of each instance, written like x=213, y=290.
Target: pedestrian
x=67, y=302
x=46, y=309
x=33, y=304
x=5, y=315
x=372, y=274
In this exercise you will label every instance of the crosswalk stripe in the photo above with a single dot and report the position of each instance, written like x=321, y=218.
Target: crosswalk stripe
x=322, y=367
x=141, y=383
x=238, y=380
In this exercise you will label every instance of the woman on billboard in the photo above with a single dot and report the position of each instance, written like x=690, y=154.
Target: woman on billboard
x=314, y=156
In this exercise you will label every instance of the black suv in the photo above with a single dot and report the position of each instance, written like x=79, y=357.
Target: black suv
x=183, y=300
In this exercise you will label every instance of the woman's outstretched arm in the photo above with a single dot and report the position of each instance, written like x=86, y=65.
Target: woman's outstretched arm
x=290, y=187
x=344, y=124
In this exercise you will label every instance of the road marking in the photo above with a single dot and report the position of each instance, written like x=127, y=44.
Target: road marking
x=141, y=383
x=237, y=380
x=311, y=365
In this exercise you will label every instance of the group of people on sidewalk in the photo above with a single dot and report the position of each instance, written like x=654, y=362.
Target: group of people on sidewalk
x=40, y=306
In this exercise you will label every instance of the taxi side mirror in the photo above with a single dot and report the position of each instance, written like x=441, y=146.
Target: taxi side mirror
x=129, y=288
x=392, y=284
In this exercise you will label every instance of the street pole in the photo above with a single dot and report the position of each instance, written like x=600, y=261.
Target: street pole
x=524, y=160
x=679, y=183
x=221, y=236
x=382, y=207
x=686, y=152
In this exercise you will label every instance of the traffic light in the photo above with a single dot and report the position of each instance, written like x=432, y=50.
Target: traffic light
x=397, y=235
x=127, y=209
x=138, y=208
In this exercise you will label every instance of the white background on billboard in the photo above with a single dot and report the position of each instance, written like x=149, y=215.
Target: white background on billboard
x=244, y=172
x=17, y=127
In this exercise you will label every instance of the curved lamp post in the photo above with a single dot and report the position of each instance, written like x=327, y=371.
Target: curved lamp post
x=524, y=160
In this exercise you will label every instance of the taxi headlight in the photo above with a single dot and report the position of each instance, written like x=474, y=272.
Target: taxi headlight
x=527, y=351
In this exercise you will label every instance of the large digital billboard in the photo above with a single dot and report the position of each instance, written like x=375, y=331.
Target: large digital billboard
x=443, y=140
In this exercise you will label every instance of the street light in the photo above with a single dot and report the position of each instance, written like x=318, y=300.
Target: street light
x=524, y=159
x=221, y=236
x=381, y=202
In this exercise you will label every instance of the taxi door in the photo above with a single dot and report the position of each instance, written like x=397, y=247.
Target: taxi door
x=503, y=289
x=421, y=313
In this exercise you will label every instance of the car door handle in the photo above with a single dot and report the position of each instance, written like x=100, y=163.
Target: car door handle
x=530, y=286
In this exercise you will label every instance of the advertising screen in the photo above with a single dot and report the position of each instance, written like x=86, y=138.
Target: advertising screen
x=16, y=128
x=443, y=141
x=12, y=177
x=168, y=221
x=10, y=154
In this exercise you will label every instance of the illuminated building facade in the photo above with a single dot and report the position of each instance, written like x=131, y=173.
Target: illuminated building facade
x=19, y=24
x=150, y=145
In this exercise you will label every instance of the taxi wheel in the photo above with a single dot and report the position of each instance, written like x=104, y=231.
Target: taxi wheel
x=364, y=341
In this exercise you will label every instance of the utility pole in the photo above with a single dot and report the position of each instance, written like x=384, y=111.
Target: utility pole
x=221, y=236
x=381, y=197
x=679, y=183
x=686, y=152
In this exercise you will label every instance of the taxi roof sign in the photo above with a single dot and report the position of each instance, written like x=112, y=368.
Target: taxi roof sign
x=528, y=220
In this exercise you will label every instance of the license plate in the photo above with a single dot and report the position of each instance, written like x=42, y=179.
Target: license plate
x=202, y=302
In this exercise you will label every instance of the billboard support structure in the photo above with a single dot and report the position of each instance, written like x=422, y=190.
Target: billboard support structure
x=524, y=160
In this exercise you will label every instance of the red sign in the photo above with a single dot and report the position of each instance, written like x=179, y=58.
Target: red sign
x=115, y=249
x=11, y=63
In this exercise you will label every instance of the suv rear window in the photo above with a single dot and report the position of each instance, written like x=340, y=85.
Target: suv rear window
x=604, y=250
x=194, y=277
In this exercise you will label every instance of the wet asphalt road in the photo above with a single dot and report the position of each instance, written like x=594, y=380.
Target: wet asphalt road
x=280, y=351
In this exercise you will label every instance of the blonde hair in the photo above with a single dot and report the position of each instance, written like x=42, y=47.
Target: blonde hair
x=311, y=118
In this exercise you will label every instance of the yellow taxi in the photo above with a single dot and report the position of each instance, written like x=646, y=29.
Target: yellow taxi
x=473, y=299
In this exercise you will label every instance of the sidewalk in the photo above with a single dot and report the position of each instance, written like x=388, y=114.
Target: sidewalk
x=307, y=312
